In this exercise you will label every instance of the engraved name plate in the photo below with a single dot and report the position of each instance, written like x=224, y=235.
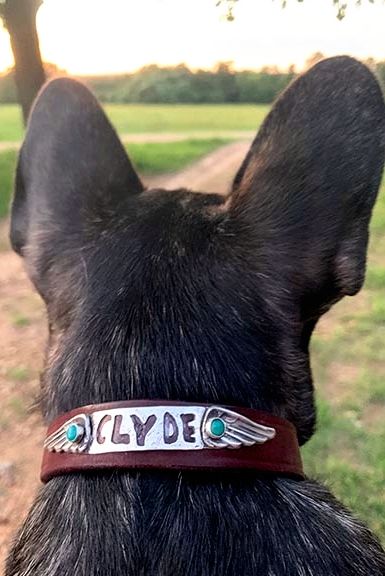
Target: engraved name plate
x=147, y=428
x=144, y=428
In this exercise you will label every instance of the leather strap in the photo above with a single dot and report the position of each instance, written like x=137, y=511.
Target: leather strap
x=170, y=436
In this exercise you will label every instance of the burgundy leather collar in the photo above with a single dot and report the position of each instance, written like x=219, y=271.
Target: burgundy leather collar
x=170, y=435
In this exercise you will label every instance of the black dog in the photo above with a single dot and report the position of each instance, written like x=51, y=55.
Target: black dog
x=202, y=298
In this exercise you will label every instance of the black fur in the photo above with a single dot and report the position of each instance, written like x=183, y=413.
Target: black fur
x=179, y=295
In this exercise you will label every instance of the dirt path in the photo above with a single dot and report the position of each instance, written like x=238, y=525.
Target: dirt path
x=22, y=337
x=213, y=173
x=5, y=146
x=22, y=330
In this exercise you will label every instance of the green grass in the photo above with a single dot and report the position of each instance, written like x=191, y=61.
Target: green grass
x=7, y=169
x=18, y=374
x=350, y=460
x=149, y=159
x=20, y=320
x=185, y=118
x=141, y=118
x=10, y=122
x=155, y=158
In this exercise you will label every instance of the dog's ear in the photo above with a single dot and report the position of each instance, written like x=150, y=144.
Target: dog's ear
x=72, y=173
x=305, y=191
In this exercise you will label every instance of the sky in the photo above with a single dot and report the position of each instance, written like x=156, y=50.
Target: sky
x=86, y=37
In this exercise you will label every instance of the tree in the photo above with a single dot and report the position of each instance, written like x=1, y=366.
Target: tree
x=340, y=5
x=314, y=59
x=19, y=18
x=227, y=81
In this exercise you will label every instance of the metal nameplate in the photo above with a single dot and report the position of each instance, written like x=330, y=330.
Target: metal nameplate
x=145, y=428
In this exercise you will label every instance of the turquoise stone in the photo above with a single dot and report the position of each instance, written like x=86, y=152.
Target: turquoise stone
x=74, y=433
x=217, y=427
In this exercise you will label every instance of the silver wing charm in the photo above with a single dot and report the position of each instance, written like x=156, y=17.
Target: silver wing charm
x=223, y=428
x=73, y=436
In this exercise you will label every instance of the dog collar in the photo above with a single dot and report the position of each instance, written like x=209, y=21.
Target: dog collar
x=138, y=434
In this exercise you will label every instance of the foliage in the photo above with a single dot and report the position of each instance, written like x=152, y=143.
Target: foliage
x=8, y=87
x=340, y=5
x=230, y=4
x=7, y=168
x=380, y=71
x=171, y=85
x=8, y=92
x=154, y=84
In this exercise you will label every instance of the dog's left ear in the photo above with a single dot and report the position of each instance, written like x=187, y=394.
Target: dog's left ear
x=73, y=174
x=304, y=194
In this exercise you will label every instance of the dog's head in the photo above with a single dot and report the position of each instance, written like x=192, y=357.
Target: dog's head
x=179, y=295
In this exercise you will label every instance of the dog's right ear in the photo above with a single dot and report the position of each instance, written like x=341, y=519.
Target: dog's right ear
x=301, y=205
x=73, y=174
x=304, y=194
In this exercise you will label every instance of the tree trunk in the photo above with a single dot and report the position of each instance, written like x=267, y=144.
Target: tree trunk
x=20, y=21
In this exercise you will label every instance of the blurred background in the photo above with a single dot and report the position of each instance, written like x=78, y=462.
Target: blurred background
x=187, y=83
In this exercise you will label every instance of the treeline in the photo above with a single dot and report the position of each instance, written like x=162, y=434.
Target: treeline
x=179, y=84
x=171, y=85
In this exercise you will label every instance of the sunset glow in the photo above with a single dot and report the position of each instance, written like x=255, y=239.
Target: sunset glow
x=85, y=37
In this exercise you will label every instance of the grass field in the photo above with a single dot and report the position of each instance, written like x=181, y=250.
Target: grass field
x=136, y=119
x=7, y=169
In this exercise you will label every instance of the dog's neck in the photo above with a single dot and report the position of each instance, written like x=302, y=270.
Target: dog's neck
x=112, y=365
